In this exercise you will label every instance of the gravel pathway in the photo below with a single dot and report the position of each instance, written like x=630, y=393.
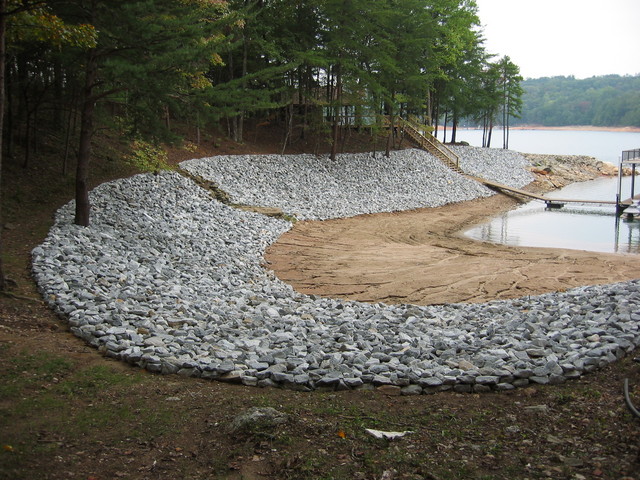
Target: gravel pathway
x=168, y=279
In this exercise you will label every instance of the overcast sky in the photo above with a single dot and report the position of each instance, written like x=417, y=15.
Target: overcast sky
x=564, y=37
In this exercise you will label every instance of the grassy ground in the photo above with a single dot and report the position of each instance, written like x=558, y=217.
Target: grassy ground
x=66, y=412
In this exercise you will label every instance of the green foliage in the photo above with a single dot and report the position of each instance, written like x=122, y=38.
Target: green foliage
x=494, y=98
x=147, y=157
x=312, y=65
x=204, y=60
x=37, y=24
x=610, y=100
x=355, y=57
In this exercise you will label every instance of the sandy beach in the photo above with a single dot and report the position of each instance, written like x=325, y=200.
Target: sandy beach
x=420, y=257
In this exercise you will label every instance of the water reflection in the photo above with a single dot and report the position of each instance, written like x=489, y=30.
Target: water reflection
x=580, y=227
x=631, y=242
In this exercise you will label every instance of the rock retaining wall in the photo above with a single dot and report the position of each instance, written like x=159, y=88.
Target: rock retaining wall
x=171, y=280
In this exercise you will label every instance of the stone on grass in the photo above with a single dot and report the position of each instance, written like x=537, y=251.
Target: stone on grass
x=258, y=420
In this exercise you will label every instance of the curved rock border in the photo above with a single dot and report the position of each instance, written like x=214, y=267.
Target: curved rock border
x=316, y=188
x=170, y=280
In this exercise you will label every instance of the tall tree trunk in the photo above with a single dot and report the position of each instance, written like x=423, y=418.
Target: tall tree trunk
x=505, y=127
x=71, y=127
x=330, y=89
x=392, y=127
x=485, y=129
x=336, y=120
x=84, y=150
x=436, y=117
x=245, y=55
x=454, y=127
x=345, y=130
x=490, y=132
x=167, y=117
x=3, y=55
x=444, y=127
x=504, y=113
x=289, y=126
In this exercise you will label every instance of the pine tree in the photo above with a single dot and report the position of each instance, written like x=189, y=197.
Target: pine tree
x=31, y=22
x=511, y=95
x=149, y=54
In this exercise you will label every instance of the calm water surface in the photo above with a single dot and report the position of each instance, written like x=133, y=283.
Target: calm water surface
x=594, y=228
x=605, y=146
x=580, y=227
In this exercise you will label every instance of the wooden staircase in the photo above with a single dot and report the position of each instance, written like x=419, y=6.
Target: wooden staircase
x=419, y=134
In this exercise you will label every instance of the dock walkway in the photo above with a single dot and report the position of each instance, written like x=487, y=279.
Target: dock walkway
x=535, y=196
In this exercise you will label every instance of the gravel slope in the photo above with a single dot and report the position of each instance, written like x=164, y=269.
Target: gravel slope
x=168, y=279
x=312, y=187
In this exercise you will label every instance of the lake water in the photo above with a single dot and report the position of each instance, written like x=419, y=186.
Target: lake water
x=581, y=227
x=595, y=228
x=605, y=146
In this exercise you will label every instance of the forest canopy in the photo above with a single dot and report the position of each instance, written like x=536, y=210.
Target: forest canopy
x=141, y=67
x=604, y=101
x=143, y=63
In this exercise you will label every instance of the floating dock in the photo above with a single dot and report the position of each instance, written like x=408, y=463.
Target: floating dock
x=630, y=159
x=551, y=202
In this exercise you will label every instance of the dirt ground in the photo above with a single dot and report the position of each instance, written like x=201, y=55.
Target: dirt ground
x=420, y=257
x=68, y=412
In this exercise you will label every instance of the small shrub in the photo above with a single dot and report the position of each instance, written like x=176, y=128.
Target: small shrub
x=147, y=157
x=190, y=147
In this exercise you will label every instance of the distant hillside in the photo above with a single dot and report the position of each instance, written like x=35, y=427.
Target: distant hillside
x=607, y=101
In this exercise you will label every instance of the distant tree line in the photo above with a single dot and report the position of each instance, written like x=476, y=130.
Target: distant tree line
x=606, y=101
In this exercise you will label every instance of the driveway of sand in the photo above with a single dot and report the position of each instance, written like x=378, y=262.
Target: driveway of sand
x=419, y=257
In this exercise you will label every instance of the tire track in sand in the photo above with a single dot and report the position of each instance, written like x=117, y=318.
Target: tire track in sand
x=419, y=257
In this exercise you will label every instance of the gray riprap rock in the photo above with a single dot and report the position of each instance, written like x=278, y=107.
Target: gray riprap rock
x=353, y=382
x=536, y=352
x=302, y=379
x=168, y=279
x=487, y=380
x=258, y=419
x=504, y=386
x=412, y=390
x=281, y=377
x=250, y=381
x=430, y=382
x=542, y=380
x=330, y=379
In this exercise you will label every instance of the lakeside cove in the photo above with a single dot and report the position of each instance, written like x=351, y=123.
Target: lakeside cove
x=237, y=322
x=195, y=414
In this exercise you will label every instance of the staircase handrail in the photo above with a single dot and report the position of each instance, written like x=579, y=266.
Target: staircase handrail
x=416, y=122
x=433, y=142
x=453, y=157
